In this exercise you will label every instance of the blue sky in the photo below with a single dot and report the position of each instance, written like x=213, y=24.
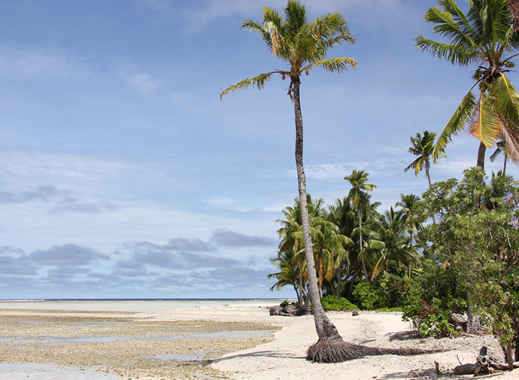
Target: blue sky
x=123, y=175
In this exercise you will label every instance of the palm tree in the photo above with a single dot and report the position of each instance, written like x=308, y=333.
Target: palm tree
x=422, y=146
x=358, y=195
x=289, y=275
x=409, y=204
x=329, y=249
x=500, y=148
x=292, y=244
x=484, y=36
x=303, y=45
x=397, y=245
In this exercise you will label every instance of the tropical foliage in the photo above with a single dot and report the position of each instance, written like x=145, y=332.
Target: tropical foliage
x=483, y=36
x=422, y=147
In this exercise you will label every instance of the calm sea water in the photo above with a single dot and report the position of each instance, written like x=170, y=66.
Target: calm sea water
x=148, y=305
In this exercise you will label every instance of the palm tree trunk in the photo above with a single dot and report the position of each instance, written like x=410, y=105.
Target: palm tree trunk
x=427, y=167
x=514, y=9
x=481, y=156
x=325, y=328
x=428, y=174
x=360, y=247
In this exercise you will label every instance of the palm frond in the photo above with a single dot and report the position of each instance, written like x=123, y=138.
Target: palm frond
x=295, y=16
x=452, y=7
x=335, y=65
x=417, y=165
x=456, y=123
x=457, y=54
x=257, y=81
x=503, y=101
x=448, y=27
x=255, y=27
x=273, y=25
x=487, y=126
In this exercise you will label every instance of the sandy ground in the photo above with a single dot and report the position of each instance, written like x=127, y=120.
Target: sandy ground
x=284, y=358
x=280, y=357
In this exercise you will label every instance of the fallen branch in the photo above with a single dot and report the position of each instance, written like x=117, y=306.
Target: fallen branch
x=484, y=365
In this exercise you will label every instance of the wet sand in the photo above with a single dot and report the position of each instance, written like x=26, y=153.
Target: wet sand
x=114, y=341
x=219, y=340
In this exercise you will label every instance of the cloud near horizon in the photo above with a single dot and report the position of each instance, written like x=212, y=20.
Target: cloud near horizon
x=180, y=268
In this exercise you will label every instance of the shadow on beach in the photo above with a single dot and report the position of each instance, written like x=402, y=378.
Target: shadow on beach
x=265, y=354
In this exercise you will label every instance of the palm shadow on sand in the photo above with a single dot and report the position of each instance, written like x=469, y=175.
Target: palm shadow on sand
x=260, y=354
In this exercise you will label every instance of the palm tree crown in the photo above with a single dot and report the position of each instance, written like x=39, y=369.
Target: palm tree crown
x=483, y=36
x=301, y=44
x=423, y=147
x=359, y=186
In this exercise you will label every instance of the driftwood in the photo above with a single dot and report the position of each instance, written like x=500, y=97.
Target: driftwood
x=484, y=365
x=288, y=310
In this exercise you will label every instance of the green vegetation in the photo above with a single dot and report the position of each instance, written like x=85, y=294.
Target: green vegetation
x=452, y=250
x=484, y=36
x=334, y=303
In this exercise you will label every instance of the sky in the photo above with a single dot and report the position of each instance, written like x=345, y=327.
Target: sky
x=123, y=175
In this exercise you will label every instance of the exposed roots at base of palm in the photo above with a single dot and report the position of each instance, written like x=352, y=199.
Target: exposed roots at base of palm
x=336, y=350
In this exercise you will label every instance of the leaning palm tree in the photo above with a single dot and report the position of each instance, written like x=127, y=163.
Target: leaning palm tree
x=358, y=195
x=422, y=146
x=304, y=45
x=484, y=36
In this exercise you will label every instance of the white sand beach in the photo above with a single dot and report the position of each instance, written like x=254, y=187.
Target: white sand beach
x=279, y=358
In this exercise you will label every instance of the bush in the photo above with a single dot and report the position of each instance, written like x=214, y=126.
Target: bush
x=389, y=309
x=367, y=295
x=334, y=303
x=431, y=319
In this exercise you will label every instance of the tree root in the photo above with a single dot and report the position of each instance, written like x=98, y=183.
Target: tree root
x=335, y=350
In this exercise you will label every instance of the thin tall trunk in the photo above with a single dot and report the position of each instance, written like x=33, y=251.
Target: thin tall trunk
x=298, y=294
x=427, y=167
x=504, y=165
x=325, y=328
x=428, y=174
x=364, y=269
x=481, y=156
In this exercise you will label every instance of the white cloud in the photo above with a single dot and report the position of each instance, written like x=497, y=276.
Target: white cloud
x=221, y=202
x=30, y=63
x=143, y=82
x=24, y=169
x=337, y=171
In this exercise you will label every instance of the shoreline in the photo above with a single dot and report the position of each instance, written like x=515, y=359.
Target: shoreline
x=281, y=355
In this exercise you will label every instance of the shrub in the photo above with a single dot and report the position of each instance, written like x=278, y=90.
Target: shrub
x=431, y=319
x=334, y=303
x=389, y=309
x=367, y=295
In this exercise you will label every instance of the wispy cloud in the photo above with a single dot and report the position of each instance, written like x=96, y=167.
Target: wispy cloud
x=28, y=63
x=337, y=171
x=144, y=82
